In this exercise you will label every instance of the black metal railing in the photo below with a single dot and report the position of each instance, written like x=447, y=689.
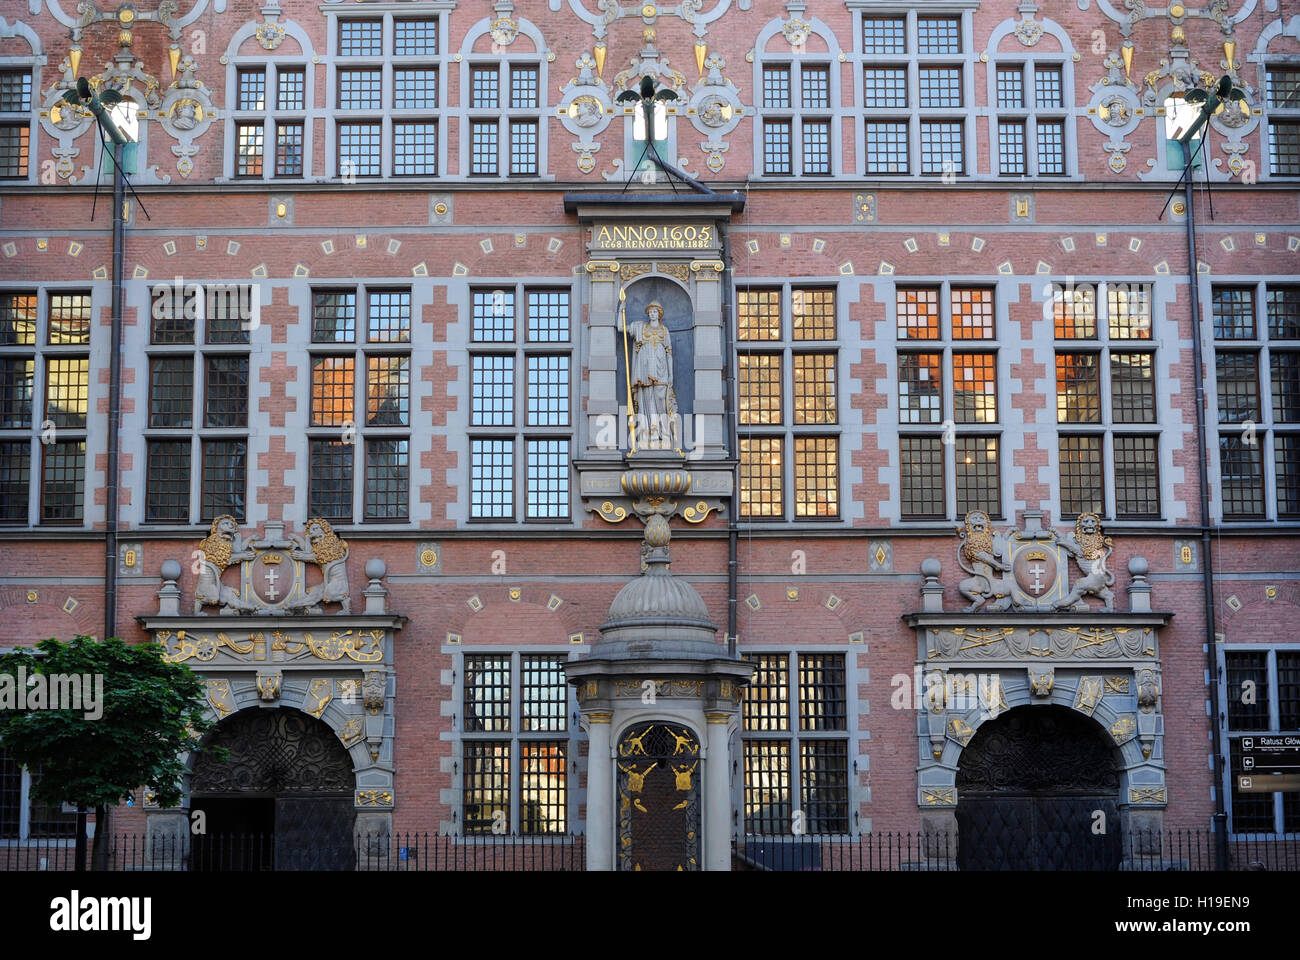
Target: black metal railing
x=1167, y=850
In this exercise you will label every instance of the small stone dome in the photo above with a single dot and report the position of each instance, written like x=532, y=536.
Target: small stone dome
x=657, y=596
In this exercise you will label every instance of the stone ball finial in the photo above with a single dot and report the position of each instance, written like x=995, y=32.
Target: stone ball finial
x=171, y=570
x=1138, y=566
x=376, y=568
x=930, y=567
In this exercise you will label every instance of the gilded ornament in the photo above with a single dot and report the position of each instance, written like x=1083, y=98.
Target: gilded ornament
x=269, y=34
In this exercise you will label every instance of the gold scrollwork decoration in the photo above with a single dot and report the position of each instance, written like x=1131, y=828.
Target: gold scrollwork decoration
x=698, y=513
x=678, y=271
x=602, y=269
x=374, y=798
x=611, y=512
x=630, y=271
x=319, y=694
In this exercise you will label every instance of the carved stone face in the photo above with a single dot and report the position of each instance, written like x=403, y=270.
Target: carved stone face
x=977, y=521
x=654, y=312
x=1088, y=523
x=315, y=532
x=227, y=528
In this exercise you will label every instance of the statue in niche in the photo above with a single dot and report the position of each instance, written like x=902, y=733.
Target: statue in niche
x=653, y=399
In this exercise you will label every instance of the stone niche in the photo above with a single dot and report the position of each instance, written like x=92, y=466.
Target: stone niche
x=670, y=251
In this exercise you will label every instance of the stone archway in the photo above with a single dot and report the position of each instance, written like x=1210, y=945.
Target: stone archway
x=281, y=799
x=1036, y=790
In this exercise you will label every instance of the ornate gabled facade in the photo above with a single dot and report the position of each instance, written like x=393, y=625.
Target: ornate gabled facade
x=441, y=319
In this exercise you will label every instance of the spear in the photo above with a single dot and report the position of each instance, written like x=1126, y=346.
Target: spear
x=627, y=372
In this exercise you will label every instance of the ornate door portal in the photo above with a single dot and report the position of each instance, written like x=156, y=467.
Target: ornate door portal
x=288, y=782
x=659, y=798
x=1036, y=790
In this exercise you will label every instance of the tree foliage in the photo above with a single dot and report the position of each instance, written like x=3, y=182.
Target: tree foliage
x=153, y=714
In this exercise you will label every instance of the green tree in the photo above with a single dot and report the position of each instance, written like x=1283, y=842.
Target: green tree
x=152, y=715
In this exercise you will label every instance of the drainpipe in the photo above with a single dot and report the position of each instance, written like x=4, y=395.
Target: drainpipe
x=1207, y=563
x=114, y=400
x=732, y=442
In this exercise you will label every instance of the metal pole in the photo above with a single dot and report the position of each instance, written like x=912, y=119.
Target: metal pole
x=114, y=399
x=1207, y=563
x=732, y=442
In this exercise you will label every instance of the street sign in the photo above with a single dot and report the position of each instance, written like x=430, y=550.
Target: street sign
x=1269, y=763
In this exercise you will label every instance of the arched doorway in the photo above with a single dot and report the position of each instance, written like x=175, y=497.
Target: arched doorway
x=659, y=797
x=1036, y=790
x=281, y=800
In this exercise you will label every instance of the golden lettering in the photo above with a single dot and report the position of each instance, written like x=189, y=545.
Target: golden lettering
x=651, y=236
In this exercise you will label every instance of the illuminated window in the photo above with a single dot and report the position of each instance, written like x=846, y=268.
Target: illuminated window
x=521, y=394
x=514, y=744
x=15, y=123
x=1105, y=385
x=1257, y=385
x=950, y=387
x=44, y=404
x=344, y=440
x=786, y=409
x=796, y=745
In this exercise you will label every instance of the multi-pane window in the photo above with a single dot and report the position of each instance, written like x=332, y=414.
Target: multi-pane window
x=44, y=405
x=505, y=99
x=788, y=394
x=521, y=397
x=360, y=419
x=1106, y=399
x=15, y=123
x=1031, y=119
x=1257, y=386
x=197, y=422
x=387, y=96
x=1282, y=98
x=515, y=744
x=22, y=816
x=796, y=744
x=915, y=72
x=270, y=117
x=1262, y=696
x=796, y=119
x=948, y=398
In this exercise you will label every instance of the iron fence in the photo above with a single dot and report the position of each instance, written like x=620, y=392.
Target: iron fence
x=1168, y=850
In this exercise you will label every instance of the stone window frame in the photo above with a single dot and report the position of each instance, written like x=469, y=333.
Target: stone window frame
x=271, y=116
x=520, y=433
x=18, y=119
x=571, y=736
x=968, y=59
x=504, y=57
x=1290, y=115
x=946, y=345
x=26, y=808
x=387, y=116
x=39, y=354
x=1030, y=113
x=200, y=349
x=1106, y=428
x=360, y=349
x=787, y=431
x=1226, y=773
x=795, y=114
x=1267, y=428
x=795, y=737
